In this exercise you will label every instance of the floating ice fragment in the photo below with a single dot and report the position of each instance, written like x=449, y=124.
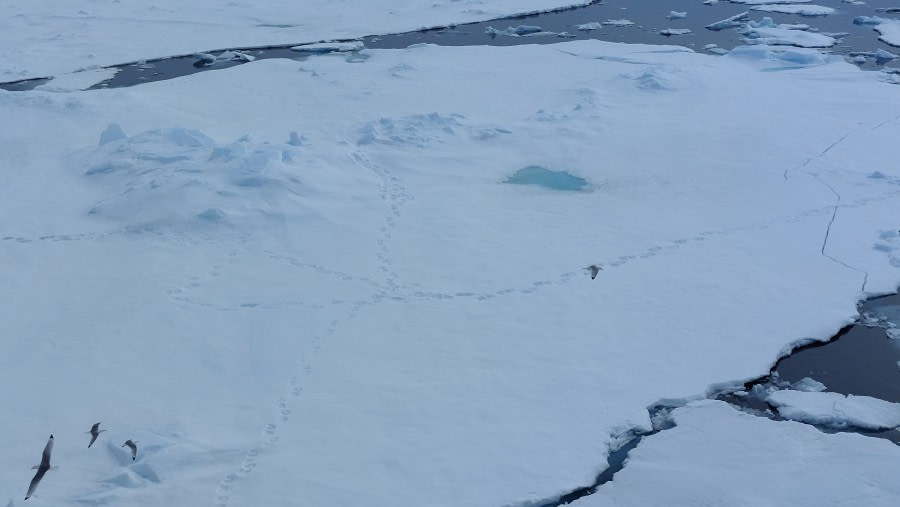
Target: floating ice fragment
x=113, y=132
x=206, y=58
x=676, y=15
x=859, y=59
x=674, y=31
x=514, y=31
x=618, y=22
x=330, y=47
x=594, y=25
x=883, y=55
x=867, y=20
x=732, y=22
x=710, y=2
x=800, y=10
x=762, y=2
x=808, y=385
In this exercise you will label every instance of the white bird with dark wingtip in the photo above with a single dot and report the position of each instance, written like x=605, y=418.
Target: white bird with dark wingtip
x=132, y=444
x=95, y=431
x=41, y=469
x=594, y=269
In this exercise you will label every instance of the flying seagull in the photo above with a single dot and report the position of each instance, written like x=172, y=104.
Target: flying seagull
x=132, y=444
x=41, y=469
x=594, y=269
x=94, y=432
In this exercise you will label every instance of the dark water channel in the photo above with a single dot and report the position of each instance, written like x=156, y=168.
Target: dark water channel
x=862, y=359
x=649, y=17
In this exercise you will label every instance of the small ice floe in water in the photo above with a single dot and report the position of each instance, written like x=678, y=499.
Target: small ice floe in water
x=206, y=58
x=225, y=56
x=710, y=2
x=593, y=269
x=95, y=431
x=331, y=47
x=587, y=27
x=514, y=31
x=131, y=444
x=618, y=22
x=808, y=385
x=859, y=59
x=674, y=31
x=676, y=15
x=41, y=469
x=732, y=22
x=800, y=10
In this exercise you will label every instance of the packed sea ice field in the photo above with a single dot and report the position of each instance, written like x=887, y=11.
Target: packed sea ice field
x=357, y=278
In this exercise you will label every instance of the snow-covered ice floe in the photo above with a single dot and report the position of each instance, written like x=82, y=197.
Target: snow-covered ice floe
x=888, y=28
x=306, y=282
x=330, y=47
x=595, y=25
x=801, y=10
x=770, y=33
x=81, y=80
x=836, y=410
x=730, y=22
x=707, y=458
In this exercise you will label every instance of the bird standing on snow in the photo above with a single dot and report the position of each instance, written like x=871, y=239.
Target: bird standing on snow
x=594, y=269
x=94, y=432
x=132, y=444
x=41, y=469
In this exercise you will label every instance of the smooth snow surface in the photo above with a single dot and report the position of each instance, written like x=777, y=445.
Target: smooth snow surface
x=306, y=282
x=836, y=410
x=719, y=456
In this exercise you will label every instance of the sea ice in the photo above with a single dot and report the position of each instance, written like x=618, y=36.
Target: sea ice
x=594, y=25
x=801, y=10
x=764, y=2
x=374, y=304
x=836, y=410
x=731, y=22
x=329, y=47
x=675, y=31
x=81, y=80
x=808, y=385
x=40, y=40
x=515, y=31
x=767, y=32
x=707, y=457
x=618, y=22
x=676, y=15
